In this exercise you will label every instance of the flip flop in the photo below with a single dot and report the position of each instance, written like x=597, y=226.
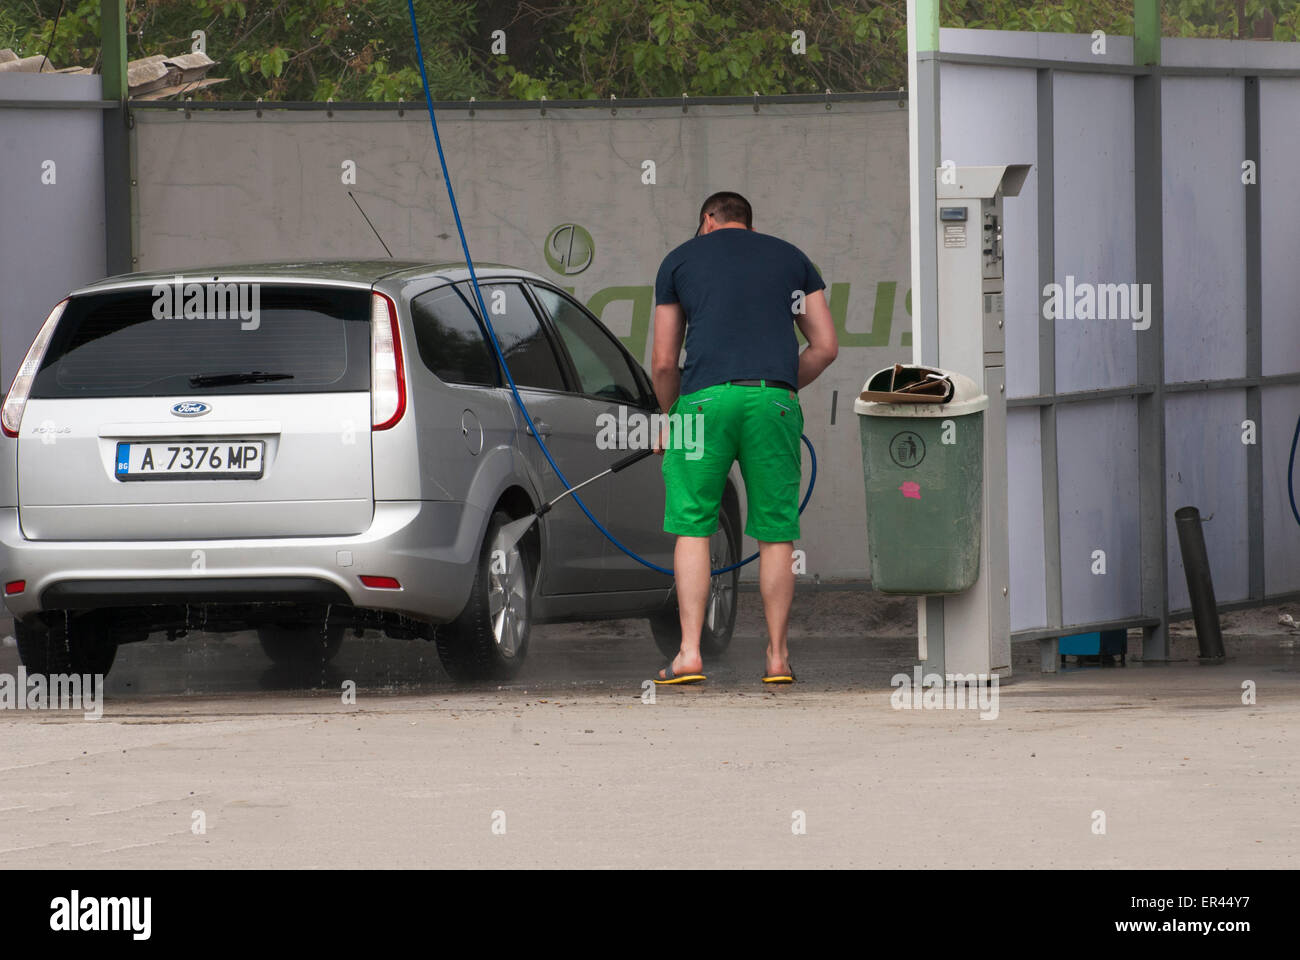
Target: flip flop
x=670, y=678
x=779, y=677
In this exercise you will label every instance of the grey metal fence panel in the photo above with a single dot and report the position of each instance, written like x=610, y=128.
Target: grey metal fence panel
x=1204, y=236
x=1025, y=519
x=1093, y=152
x=1231, y=313
x=1280, y=224
x=1232, y=54
x=1063, y=47
x=52, y=198
x=1205, y=463
x=975, y=134
x=1097, y=457
x=1281, y=408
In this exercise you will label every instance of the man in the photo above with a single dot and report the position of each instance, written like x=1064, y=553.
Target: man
x=732, y=293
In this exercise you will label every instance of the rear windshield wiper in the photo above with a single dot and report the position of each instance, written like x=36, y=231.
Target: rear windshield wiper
x=225, y=379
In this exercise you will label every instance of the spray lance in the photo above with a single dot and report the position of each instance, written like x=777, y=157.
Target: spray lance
x=513, y=531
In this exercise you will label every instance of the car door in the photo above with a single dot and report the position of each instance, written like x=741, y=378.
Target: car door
x=575, y=548
x=617, y=394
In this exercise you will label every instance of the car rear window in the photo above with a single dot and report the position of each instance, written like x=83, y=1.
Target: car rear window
x=159, y=341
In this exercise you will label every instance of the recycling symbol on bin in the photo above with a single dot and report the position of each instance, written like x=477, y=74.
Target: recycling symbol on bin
x=907, y=449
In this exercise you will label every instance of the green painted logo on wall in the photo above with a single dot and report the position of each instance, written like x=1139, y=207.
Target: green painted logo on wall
x=569, y=249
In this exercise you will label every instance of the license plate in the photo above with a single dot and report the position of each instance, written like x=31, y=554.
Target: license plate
x=207, y=460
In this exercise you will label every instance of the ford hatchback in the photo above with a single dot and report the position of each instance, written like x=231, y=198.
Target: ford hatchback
x=304, y=449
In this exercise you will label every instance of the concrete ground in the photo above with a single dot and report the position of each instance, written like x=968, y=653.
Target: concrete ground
x=567, y=766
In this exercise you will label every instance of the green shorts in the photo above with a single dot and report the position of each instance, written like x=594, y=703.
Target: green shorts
x=717, y=426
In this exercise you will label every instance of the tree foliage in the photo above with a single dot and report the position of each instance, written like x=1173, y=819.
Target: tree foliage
x=362, y=49
x=277, y=49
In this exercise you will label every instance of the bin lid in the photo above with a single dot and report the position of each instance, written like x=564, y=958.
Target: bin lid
x=911, y=390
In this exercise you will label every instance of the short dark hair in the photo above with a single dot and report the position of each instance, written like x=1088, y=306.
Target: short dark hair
x=728, y=207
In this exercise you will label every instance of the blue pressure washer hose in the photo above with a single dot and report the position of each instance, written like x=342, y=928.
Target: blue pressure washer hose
x=1290, y=473
x=496, y=347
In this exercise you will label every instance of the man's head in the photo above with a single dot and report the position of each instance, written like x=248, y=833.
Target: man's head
x=725, y=209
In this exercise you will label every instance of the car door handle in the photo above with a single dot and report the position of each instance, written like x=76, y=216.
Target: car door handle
x=543, y=428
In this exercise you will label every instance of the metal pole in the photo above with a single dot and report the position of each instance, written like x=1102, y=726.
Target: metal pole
x=117, y=144
x=1200, y=586
x=1049, y=647
x=1254, y=343
x=923, y=139
x=1146, y=32
x=1152, y=486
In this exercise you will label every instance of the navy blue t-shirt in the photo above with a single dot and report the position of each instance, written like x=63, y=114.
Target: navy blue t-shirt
x=737, y=292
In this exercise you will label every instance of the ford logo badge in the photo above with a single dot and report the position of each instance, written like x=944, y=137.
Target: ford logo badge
x=190, y=408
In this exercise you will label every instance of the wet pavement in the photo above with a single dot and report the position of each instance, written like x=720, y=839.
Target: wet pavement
x=1191, y=766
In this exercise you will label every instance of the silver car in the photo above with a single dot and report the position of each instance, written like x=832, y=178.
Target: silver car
x=303, y=449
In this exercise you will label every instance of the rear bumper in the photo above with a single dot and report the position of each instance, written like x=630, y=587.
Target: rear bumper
x=430, y=547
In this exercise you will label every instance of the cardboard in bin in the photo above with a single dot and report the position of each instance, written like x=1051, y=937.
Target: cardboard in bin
x=908, y=384
x=916, y=391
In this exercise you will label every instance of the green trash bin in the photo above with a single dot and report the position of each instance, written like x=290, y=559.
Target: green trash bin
x=923, y=462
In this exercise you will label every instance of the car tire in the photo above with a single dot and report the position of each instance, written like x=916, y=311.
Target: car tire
x=300, y=646
x=720, y=614
x=79, y=644
x=489, y=640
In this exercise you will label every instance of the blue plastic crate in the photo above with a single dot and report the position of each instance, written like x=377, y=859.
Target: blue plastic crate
x=1094, y=644
x=1080, y=645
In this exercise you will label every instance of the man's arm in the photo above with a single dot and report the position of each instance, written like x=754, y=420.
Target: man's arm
x=670, y=328
x=818, y=327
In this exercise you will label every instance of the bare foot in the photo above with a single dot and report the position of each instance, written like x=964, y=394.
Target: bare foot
x=683, y=665
x=778, y=666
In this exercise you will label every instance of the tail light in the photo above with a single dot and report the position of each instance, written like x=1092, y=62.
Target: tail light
x=387, y=376
x=11, y=417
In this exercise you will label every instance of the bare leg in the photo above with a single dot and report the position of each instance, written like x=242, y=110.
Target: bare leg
x=691, y=568
x=776, y=584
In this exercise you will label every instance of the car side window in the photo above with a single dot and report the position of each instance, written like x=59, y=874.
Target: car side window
x=525, y=345
x=602, y=367
x=451, y=342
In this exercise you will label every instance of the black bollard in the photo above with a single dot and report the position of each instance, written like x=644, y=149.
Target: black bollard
x=1200, y=586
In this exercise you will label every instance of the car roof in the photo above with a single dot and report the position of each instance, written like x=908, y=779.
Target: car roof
x=342, y=272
